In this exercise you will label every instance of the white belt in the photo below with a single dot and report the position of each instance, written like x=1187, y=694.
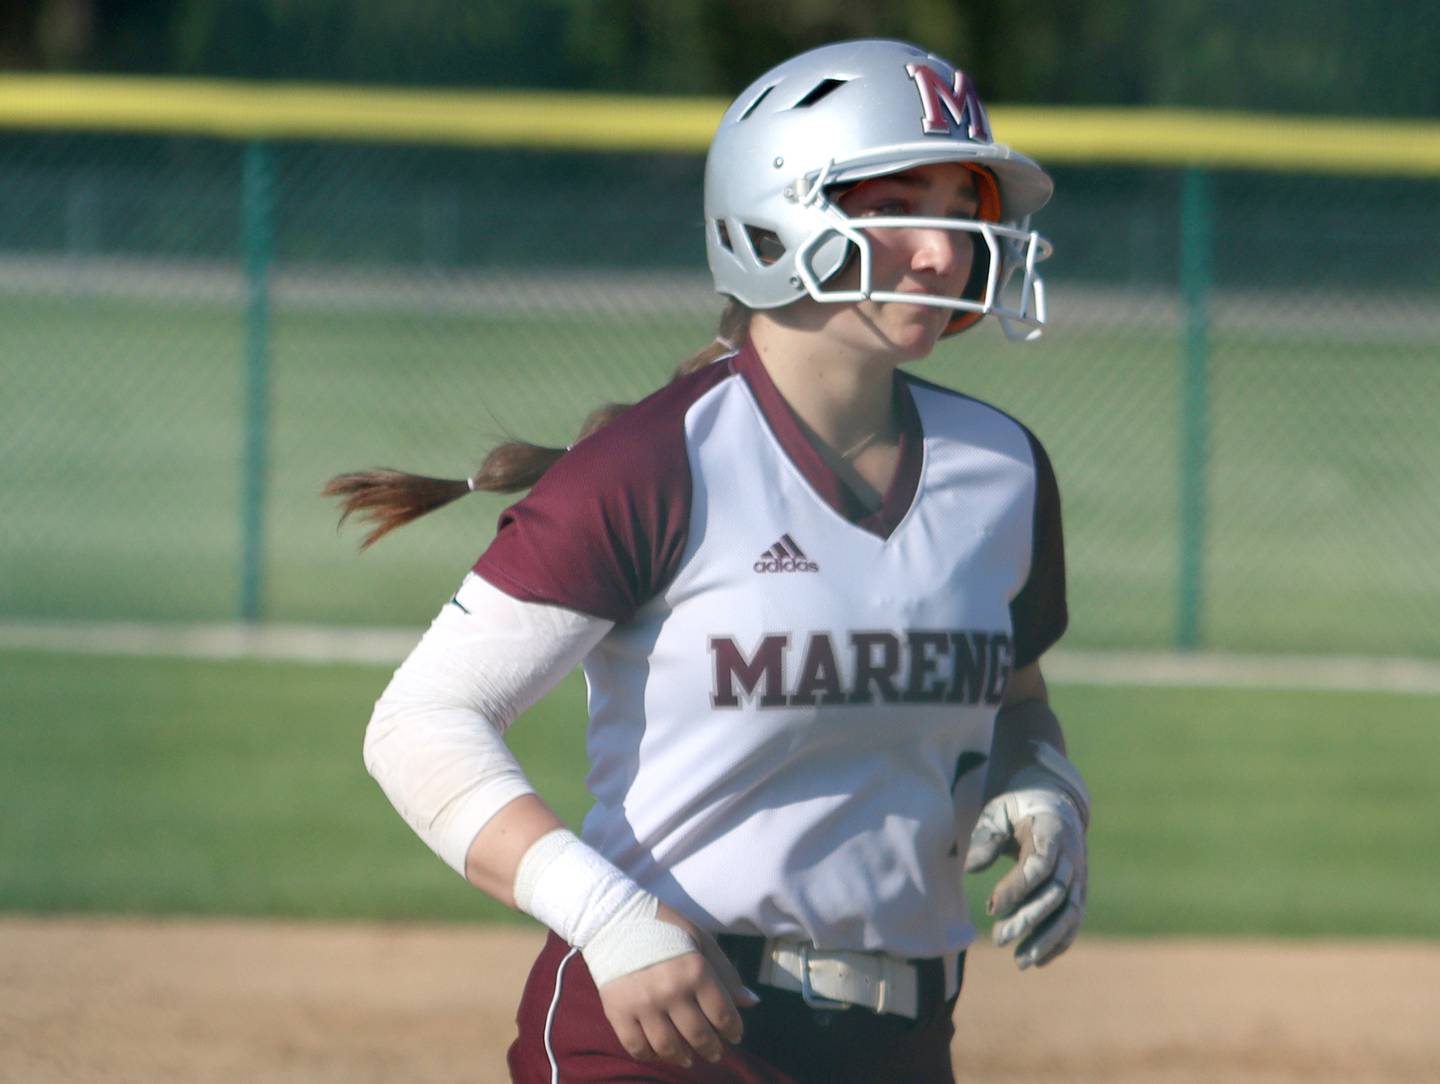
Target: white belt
x=841, y=979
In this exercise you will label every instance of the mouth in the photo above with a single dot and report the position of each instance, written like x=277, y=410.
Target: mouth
x=941, y=290
x=920, y=304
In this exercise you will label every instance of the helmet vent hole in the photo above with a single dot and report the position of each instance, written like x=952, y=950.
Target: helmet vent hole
x=723, y=232
x=820, y=90
x=766, y=244
x=758, y=99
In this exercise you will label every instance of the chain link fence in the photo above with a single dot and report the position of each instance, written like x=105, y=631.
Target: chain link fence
x=1238, y=389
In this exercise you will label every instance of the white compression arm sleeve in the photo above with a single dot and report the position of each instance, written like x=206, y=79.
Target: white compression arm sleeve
x=434, y=743
x=435, y=746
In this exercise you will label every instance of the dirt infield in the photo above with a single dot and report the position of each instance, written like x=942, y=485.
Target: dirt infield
x=135, y=1001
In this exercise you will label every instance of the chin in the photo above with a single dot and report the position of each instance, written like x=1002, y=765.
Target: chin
x=902, y=334
x=915, y=340
x=918, y=352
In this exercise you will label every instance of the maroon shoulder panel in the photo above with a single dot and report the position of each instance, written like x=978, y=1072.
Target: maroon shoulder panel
x=1039, y=613
x=602, y=532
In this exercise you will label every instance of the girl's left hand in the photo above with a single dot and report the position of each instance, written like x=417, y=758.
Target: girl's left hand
x=1043, y=897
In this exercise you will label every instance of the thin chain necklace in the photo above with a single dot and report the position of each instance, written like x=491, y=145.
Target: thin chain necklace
x=860, y=445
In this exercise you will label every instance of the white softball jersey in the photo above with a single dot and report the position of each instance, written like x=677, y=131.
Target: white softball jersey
x=791, y=716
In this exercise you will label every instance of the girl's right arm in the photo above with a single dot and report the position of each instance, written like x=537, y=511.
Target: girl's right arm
x=435, y=745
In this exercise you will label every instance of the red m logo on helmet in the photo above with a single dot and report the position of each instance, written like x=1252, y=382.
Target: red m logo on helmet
x=959, y=100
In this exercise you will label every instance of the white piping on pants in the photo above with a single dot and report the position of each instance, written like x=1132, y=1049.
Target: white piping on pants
x=550, y=1016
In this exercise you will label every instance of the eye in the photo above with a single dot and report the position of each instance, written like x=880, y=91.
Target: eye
x=886, y=208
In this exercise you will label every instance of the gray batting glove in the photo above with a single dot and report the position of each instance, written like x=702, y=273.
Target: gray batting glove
x=1039, y=820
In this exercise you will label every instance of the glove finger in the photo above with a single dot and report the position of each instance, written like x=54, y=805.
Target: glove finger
x=992, y=833
x=1053, y=938
x=1036, y=865
x=985, y=847
x=1050, y=955
x=1040, y=906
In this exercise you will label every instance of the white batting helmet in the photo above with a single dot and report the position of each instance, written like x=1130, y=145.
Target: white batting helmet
x=841, y=114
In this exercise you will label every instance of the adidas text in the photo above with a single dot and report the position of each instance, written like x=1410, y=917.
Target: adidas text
x=788, y=564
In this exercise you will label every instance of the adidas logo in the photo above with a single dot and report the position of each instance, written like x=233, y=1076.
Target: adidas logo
x=785, y=556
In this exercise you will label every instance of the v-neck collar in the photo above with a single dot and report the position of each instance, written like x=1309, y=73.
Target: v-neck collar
x=828, y=485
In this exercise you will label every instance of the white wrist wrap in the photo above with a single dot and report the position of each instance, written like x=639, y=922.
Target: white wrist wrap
x=595, y=907
x=634, y=938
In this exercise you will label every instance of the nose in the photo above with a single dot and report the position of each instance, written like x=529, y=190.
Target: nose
x=941, y=252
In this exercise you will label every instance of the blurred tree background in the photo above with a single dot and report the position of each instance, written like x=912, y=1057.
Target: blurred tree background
x=1352, y=57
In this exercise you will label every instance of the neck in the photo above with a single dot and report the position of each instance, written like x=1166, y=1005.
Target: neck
x=845, y=398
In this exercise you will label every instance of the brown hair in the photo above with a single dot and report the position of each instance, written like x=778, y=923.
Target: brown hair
x=390, y=498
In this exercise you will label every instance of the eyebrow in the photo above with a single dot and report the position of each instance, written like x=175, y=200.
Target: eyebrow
x=907, y=179
x=915, y=183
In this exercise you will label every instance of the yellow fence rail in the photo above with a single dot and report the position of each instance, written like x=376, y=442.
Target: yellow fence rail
x=602, y=122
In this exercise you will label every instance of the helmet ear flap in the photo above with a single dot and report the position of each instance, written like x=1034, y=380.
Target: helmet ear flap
x=962, y=322
x=987, y=189
x=979, y=270
x=974, y=287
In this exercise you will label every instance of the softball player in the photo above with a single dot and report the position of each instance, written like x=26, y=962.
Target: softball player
x=809, y=592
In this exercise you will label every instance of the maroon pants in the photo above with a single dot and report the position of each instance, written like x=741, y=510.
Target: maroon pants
x=563, y=1027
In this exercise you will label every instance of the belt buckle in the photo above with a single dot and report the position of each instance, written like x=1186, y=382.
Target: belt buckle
x=807, y=992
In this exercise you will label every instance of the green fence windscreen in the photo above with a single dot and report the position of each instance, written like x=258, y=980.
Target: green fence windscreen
x=1238, y=389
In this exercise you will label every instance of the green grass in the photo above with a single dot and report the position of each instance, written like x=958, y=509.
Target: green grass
x=120, y=460
x=166, y=787
x=1222, y=811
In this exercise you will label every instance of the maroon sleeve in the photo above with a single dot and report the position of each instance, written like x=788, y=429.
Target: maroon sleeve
x=1038, y=613
x=603, y=531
